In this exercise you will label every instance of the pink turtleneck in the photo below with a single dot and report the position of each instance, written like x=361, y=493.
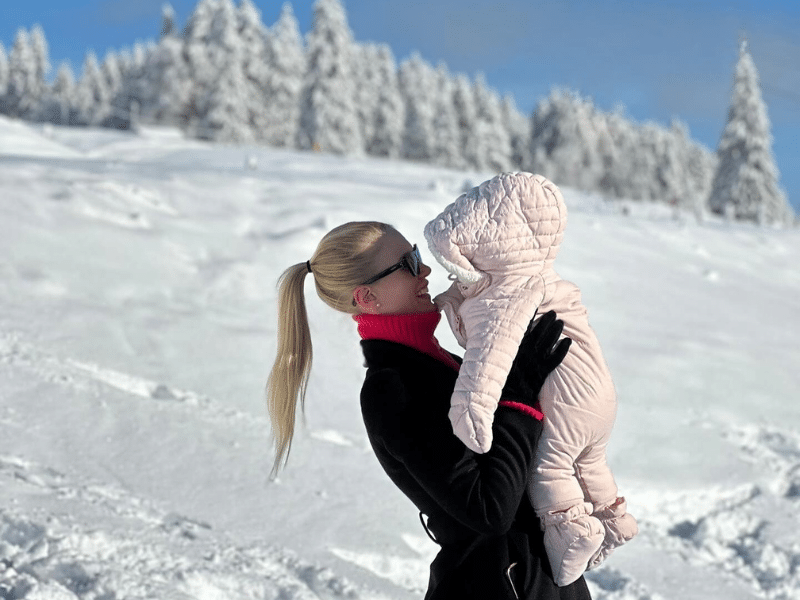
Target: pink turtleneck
x=414, y=330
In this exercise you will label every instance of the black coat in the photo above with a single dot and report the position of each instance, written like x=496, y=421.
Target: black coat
x=476, y=504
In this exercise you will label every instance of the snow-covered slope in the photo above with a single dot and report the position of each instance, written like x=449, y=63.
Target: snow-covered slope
x=137, y=323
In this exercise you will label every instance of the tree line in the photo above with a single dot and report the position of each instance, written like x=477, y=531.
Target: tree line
x=227, y=77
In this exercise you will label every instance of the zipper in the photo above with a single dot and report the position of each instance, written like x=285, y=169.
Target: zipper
x=508, y=574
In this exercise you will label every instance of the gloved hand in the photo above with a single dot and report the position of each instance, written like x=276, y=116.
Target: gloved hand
x=540, y=352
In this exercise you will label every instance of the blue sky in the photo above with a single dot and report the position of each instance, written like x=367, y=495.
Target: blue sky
x=659, y=59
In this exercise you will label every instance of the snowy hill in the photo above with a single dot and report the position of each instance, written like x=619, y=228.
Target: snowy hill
x=137, y=324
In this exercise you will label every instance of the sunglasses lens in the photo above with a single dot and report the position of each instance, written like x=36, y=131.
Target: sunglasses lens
x=413, y=262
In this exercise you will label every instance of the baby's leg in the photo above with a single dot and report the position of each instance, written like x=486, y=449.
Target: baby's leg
x=595, y=477
x=601, y=490
x=571, y=535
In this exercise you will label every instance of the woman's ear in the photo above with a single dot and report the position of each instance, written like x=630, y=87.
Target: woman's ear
x=365, y=299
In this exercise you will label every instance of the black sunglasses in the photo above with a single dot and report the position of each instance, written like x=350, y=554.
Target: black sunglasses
x=410, y=261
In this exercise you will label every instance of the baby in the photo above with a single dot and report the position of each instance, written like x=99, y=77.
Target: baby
x=499, y=241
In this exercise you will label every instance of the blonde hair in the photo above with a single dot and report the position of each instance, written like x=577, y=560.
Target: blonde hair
x=343, y=260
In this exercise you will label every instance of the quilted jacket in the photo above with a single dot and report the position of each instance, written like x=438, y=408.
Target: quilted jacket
x=499, y=240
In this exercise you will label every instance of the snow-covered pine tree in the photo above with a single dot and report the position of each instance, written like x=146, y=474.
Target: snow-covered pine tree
x=387, y=132
x=128, y=101
x=41, y=67
x=697, y=166
x=119, y=108
x=20, y=90
x=285, y=62
x=445, y=145
x=226, y=117
x=518, y=129
x=417, y=85
x=746, y=180
x=3, y=78
x=167, y=21
x=472, y=149
x=165, y=90
x=200, y=59
x=627, y=169
x=93, y=102
x=366, y=89
x=496, y=141
x=328, y=118
x=61, y=99
x=566, y=135
x=255, y=66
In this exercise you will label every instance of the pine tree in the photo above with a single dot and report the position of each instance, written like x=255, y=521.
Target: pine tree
x=285, y=65
x=387, y=132
x=518, y=131
x=226, y=116
x=471, y=143
x=20, y=91
x=496, y=142
x=167, y=21
x=164, y=92
x=566, y=141
x=41, y=67
x=746, y=180
x=61, y=100
x=200, y=59
x=417, y=85
x=255, y=67
x=3, y=78
x=93, y=101
x=445, y=144
x=328, y=118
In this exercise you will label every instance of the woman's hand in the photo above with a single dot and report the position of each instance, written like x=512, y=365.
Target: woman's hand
x=540, y=352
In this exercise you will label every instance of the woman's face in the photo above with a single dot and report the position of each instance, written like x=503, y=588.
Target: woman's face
x=399, y=292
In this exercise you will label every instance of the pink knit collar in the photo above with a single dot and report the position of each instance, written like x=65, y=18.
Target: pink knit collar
x=413, y=330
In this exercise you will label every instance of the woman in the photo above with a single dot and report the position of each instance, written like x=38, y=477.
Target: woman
x=476, y=505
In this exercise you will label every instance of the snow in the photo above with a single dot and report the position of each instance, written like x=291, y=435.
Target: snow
x=137, y=286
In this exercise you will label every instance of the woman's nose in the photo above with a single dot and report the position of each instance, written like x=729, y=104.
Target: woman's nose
x=424, y=270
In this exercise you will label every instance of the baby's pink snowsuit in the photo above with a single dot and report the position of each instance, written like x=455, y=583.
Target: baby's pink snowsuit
x=499, y=240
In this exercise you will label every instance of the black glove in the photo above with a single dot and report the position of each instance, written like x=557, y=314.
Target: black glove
x=539, y=354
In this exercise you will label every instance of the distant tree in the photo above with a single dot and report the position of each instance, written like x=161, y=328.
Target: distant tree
x=745, y=183
x=255, y=67
x=328, y=117
x=285, y=68
x=164, y=91
x=496, y=142
x=41, y=68
x=3, y=77
x=566, y=141
x=628, y=161
x=93, y=101
x=226, y=114
x=471, y=142
x=22, y=86
x=389, y=117
x=167, y=21
x=418, y=83
x=518, y=130
x=365, y=77
x=445, y=144
x=697, y=170
x=202, y=62
x=129, y=100
x=59, y=107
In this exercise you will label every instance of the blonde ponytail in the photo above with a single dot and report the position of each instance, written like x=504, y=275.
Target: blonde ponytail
x=288, y=379
x=343, y=260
